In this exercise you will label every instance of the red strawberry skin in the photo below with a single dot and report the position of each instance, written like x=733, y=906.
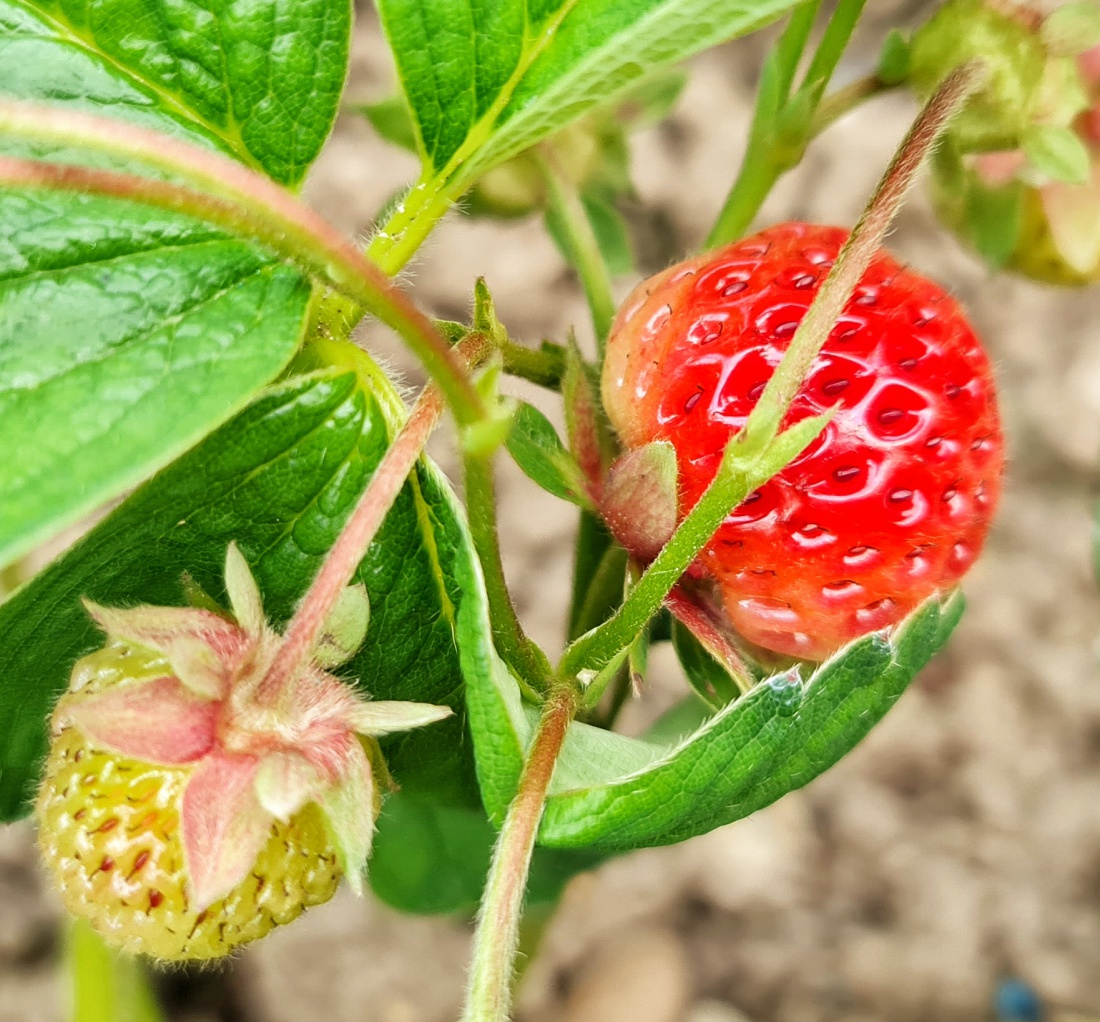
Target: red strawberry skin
x=889, y=505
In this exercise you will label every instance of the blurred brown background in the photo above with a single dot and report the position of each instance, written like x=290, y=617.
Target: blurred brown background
x=959, y=844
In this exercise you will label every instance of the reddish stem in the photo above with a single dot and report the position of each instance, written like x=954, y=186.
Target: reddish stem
x=342, y=560
x=229, y=194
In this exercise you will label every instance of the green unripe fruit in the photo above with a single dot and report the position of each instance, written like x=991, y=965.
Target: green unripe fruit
x=1025, y=83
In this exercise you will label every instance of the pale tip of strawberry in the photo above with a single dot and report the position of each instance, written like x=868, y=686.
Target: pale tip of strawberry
x=244, y=594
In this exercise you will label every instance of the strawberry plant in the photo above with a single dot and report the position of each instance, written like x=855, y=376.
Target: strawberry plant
x=288, y=653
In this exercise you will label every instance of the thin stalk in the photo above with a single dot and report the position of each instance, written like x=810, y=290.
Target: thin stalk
x=747, y=462
x=833, y=43
x=396, y=241
x=489, y=995
x=104, y=985
x=583, y=248
x=756, y=178
x=847, y=98
x=771, y=150
x=527, y=661
x=427, y=202
x=224, y=192
x=791, y=45
x=604, y=590
x=544, y=366
x=593, y=542
x=620, y=691
x=856, y=255
x=366, y=518
x=760, y=167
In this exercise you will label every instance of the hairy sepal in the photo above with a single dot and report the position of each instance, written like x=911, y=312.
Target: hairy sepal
x=159, y=721
x=640, y=501
x=223, y=826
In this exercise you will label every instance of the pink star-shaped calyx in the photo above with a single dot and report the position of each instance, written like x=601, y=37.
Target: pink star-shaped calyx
x=257, y=748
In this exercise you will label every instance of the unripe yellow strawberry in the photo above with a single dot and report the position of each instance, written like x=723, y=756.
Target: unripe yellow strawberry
x=109, y=832
x=195, y=797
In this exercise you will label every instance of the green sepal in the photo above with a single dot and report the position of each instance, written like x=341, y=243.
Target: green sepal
x=711, y=681
x=535, y=446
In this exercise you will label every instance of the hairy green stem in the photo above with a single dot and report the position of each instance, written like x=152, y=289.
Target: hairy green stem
x=782, y=125
x=761, y=166
x=489, y=995
x=224, y=192
x=528, y=662
x=833, y=43
x=436, y=190
x=581, y=244
x=847, y=98
x=544, y=366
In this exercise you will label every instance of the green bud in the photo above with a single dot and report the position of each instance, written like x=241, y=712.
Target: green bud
x=1026, y=83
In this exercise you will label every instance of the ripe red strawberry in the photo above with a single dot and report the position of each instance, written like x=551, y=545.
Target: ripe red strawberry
x=890, y=504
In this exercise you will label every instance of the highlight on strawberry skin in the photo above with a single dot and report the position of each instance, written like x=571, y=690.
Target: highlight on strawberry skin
x=890, y=504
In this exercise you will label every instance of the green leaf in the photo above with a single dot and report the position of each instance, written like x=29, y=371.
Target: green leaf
x=1058, y=153
x=486, y=79
x=613, y=793
x=392, y=120
x=534, y=444
x=126, y=334
x=431, y=859
x=280, y=480
x=260, y=81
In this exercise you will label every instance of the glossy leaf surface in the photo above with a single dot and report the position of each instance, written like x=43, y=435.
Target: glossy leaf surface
x=260, y=81
x=279, y=479
x=126, y=334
